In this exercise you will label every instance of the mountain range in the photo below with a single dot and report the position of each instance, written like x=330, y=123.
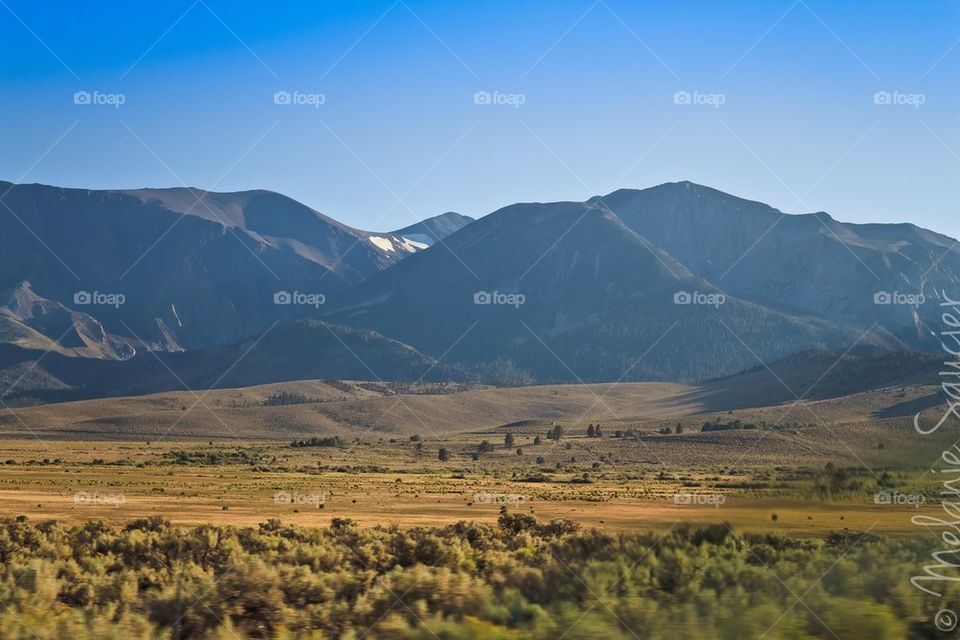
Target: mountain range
x=673, y=282
x=195, y=269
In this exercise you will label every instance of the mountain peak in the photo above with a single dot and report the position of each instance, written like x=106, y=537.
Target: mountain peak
x=435, y=229
x=681, y=189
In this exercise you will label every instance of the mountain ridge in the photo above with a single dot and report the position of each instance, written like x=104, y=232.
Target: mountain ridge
x=602, y=281
x=194, y=274
x=595, y=299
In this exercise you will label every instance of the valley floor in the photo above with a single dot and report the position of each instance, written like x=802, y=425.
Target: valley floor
x=607, y=483
x=465, y=506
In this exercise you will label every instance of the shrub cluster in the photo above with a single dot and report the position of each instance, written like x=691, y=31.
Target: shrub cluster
x=334, y=441
x=519, y=579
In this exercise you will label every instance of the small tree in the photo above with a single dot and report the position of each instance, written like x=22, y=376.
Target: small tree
x=443, y=454
x=537, y=441
x=679, y=428
x=556, y=433
x=508, y=440
x=519, y=452
x=591, y=432
x=597, y=432
x=540, y=460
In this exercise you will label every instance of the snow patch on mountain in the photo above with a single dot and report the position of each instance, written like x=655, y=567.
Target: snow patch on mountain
x=412, y=245
x=383, y=244
x=421, y=239
x=393, y=244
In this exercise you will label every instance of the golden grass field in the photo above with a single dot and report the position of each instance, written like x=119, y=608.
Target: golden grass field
x=70, y=461
x=383, y=482
x=809, y=473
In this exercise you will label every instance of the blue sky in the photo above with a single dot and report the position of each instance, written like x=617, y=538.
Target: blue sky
x=781, y=102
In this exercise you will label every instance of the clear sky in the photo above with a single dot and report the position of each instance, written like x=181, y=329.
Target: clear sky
x=585, y=97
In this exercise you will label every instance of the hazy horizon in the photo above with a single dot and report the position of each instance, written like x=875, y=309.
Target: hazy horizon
x=427, y=215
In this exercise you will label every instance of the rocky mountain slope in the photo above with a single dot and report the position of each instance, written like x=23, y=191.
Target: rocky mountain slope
x=172, y=269
x=675, y=282
x=567, y=291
